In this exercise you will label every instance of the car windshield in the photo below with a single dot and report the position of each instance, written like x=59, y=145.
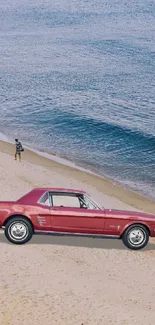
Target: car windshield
x=91, y=204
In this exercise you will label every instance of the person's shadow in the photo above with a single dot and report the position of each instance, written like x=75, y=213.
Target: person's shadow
x=77, y=242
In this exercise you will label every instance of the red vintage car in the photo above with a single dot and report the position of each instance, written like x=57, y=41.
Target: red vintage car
x=72, y=212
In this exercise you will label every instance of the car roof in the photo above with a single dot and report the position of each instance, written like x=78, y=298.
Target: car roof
x=35, y=194
x=58, y=189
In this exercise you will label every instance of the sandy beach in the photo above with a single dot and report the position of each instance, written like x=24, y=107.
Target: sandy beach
x=72, y=281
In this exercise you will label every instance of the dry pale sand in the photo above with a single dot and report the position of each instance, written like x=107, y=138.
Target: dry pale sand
x=72, y=281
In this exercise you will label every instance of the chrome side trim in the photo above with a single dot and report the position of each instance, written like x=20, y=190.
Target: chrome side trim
x=46, y=232
x=41, y=220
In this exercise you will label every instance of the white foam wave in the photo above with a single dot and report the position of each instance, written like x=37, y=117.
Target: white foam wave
x=3, y=137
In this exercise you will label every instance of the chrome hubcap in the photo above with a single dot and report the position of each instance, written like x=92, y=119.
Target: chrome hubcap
x=18, y=231
x=136, y=236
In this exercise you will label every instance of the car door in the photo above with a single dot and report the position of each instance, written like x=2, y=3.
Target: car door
x=77, y=220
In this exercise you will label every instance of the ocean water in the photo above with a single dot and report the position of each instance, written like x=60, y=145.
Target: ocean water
x=77, y=78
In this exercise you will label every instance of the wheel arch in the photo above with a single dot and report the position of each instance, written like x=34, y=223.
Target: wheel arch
x=18, y=215
x=135, y=224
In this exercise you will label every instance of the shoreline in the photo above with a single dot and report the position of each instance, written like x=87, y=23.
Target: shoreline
x=65, y=161
x=101, y=184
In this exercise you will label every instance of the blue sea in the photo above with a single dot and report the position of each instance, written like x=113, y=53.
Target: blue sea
x=77, y=78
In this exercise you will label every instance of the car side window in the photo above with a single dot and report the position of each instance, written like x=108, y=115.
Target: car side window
x=44, y=200
x=65, y=201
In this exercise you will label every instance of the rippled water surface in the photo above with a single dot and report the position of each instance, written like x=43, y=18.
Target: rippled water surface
x=78, y=78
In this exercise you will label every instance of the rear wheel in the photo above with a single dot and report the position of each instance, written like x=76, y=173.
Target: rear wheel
x=135, y=237
x=18, y=230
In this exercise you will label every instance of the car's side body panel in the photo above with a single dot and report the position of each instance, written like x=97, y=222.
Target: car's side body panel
x=77, y=220
x=38, y=215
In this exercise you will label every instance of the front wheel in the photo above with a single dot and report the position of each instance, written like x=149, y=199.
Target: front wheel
x=18, y=230
x=135, y=237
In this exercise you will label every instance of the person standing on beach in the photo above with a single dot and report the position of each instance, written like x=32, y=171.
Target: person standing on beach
x=19, y=149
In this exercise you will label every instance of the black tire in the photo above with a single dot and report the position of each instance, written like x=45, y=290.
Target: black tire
x=135, y=243
x=23, y=225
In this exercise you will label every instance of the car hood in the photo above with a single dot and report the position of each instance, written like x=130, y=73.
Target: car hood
x=131, y=214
